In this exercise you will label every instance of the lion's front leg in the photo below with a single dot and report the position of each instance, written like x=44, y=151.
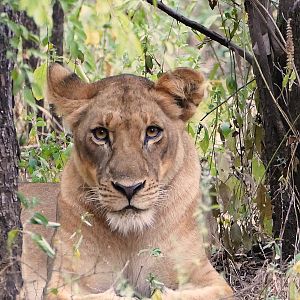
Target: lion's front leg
x=205, y=293
x=204, y=284
x=108, y=295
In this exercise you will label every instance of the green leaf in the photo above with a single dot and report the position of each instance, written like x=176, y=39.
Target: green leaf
x=18, y=79
x=39, y=10
x=294, y=293
x=53, y=291
x=285, y=80
x=28, y=96
x=156, y=252
x=80, y=56
x=204, y=143
x=73, y=49
x=258, y=170
x=149, y=62
x=231, y=85
x=40, y=123
x=38, y=218
x=77, y=68
x=43, y=244
x=264, y=205
x=126, y=39
x=213, y=71
x=23, y=199
x=11, y=238
x=225, y=129
x=27, y=202
x=39, y=80
x=32, y=162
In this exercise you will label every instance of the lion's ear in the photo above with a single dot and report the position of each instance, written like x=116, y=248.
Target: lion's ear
x=67, y=91
x=182, y=90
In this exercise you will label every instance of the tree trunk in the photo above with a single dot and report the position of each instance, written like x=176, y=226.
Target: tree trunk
x=286, y=195
x=31, y=60
x=57, y=37
x=294, y=109
x=278, y=154
x=30, y=25
x=10, y=269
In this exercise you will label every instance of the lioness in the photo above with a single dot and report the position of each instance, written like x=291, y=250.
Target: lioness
x=130, y=186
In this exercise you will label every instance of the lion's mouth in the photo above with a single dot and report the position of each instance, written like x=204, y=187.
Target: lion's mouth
x=131, y=208
x=130, y=219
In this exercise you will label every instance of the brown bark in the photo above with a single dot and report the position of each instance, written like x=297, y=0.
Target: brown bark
x=29, y=23
x=57, y=37
x=286, y=199
x=10, y=275
x=294, y=111
x=268, y=71
x=294, y=104
x=30, y=59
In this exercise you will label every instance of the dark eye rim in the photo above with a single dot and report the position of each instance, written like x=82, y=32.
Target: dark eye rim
x=93, y=131
x=159, y=132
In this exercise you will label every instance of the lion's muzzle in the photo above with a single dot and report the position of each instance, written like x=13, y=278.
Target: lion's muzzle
x=128, y=191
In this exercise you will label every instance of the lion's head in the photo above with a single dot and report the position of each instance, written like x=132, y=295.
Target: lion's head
x=127, y=135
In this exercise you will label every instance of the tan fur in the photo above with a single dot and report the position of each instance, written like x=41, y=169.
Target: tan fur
x=92, y=261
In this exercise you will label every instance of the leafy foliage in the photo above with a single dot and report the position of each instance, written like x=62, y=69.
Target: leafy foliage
x=104, y=38
x=44, y=162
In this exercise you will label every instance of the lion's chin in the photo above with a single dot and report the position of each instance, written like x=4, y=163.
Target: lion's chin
x=130, y=221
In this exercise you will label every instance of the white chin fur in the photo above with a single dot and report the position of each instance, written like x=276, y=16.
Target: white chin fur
x=130, y=222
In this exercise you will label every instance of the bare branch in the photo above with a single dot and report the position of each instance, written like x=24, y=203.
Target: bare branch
x=202, y=29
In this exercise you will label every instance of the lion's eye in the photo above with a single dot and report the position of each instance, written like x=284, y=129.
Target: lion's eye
x=100, y=134
x=152, y=132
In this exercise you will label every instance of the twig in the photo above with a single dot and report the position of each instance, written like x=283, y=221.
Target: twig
x=279, y=33
x=202, y=29
x=30, y=146
x=227, y=99
x=48, y=114
x=120, y=274
x=284, y=115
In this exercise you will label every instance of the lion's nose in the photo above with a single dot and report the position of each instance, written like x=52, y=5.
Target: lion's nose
x=128, y=191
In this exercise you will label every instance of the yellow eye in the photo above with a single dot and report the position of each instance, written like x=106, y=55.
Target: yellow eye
x=100, y=134
x=153, y=132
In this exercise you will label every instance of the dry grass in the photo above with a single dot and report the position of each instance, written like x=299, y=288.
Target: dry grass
x=257, y=276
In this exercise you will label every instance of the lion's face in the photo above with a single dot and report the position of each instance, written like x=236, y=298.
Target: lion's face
x=127, y=135
x=125, y=139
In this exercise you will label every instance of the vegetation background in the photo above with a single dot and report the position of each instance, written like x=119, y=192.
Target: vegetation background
x=246, y=129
